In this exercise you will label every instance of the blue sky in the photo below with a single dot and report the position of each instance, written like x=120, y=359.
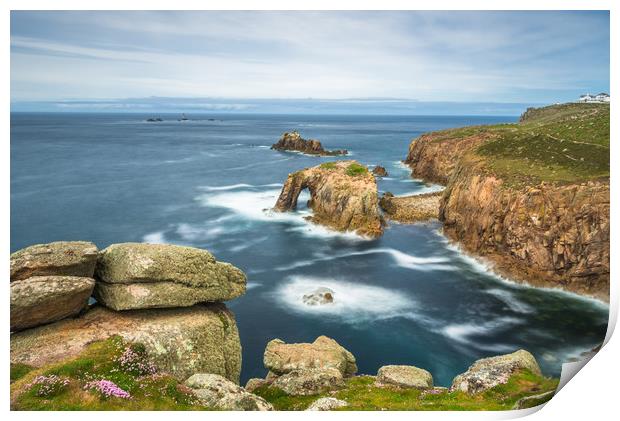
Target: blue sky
x=222, y=60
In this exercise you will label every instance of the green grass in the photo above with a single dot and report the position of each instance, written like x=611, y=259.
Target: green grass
x=19, y=370
x=100, y=361
x=558, y=144
x=361, y=394
x=356, y=169
x=328, y=165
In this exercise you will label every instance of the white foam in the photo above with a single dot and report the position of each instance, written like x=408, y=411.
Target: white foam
x=353, y=302
x=190, y=232
x=247, y=244
x=252, y=285
x=155, y=238
x=462, y=333
x=404, y=260
x=511, y=301
x=237, y=187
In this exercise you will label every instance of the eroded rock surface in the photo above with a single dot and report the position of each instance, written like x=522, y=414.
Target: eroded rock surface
x=343, y=196
x=61, y=258
x=294, y=142
x=404, y=376
x=309, y=381
x=327, y=404
x=319, y=296
x=180, y=341
x=138, y=275
x=490, y=372
x=44, y=299
x=281, y=358
x=410, y=209
x=220, y=393
x=380, y=171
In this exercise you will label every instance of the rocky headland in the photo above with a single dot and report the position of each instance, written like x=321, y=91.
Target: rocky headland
x=294, y=142
x=343, y=196
x=532, y=198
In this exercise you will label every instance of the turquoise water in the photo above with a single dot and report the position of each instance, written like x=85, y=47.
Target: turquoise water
x=408, y=297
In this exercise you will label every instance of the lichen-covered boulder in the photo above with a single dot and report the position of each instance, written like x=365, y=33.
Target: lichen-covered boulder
x=255, y=383
x=281, y=358
x=217, y=392
x=326, y=404
x=309, y=381
x=180, y=341
x=45, y=299
x=490, y=372
x=404, y=376
x=138, y=275
x=61, y=258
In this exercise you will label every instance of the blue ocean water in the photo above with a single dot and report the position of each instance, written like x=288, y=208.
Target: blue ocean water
x=409, y=297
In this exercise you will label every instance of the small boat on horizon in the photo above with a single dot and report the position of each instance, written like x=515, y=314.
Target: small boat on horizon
x=183, y=117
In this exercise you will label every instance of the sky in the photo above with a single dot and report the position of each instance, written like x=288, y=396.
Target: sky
x=262, y=60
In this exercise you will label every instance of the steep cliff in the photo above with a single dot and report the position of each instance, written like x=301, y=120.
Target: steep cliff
x=343, y=196
x=532, y=198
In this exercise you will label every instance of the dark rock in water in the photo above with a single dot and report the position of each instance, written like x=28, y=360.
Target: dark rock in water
x=294, y=142
x=44, y=299
x=319, y=296
x=380, y=171
x=154, y=120
x=62, y=258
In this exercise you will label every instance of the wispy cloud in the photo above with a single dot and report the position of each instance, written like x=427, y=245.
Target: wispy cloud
x=454, y=56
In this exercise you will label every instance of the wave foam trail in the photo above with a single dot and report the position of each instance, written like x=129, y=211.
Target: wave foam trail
x=462, y=333
x=353, y=302
x=155, y=238
x=511, y=301
x=236, y=187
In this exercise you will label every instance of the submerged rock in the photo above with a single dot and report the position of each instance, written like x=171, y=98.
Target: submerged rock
x=220, y=393
x=61, y=258
x=380, y=171
x=294, y=142
x=343, y=196
x=490, y=372
x=319, y=296
x=180, y=341
x=45, y=299
x=138, y=275
x=326, y=404
x=410, y=209
x=309, y=381
x=281, y=358
x=404, y=376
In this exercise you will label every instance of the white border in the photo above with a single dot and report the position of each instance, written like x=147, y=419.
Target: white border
x=591, y=395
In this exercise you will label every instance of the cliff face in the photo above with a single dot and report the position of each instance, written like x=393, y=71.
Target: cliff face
x=532, y=198
x=343, y=196
x=433, y=156
x=546, y=235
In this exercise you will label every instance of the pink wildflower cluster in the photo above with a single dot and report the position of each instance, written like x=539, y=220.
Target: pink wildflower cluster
x=107, y=389
x=47, y=385
x=132, y=362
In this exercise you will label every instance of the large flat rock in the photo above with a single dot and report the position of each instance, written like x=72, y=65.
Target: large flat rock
x=181, y=341
x=62, y=258
x=138, y=275
x=45, y=299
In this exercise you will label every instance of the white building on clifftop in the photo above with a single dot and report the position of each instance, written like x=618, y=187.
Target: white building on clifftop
x=602, y=97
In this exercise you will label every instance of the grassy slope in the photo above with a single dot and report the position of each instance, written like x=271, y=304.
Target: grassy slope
x=100, y=361
x=361, y=394
x=560, y=144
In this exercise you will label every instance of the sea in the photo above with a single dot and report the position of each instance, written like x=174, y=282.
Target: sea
x=408, y=297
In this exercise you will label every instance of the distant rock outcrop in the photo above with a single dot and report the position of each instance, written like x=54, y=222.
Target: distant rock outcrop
x=380, y=171
x=294, y=142
x=490, y=372
x=138, y=275
x=343, y=196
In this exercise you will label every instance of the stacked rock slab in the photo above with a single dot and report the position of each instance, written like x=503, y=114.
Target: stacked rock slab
x=138, y=275
x=50, y=282
x=216, y=392
x=308, y=368
x=490, y=372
